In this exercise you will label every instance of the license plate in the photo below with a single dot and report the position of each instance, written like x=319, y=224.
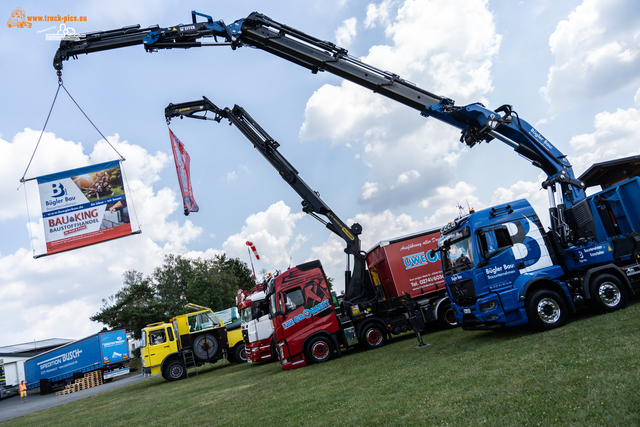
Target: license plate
x=467, y=311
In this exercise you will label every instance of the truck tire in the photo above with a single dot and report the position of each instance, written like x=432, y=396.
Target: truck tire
x=374, y=336
x=175, y=370
x=205, y=347
x=446, y=315
x=274, y=350
x=607, y=294
x=239, y=354
x=319, y=350
x=45, y=387
x=546, y=310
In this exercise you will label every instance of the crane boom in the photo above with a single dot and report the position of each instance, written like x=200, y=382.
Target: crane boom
x=312, y=204
x=476, y=122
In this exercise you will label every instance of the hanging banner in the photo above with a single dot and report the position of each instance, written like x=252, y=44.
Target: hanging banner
x=183, y=161
x=83, y=206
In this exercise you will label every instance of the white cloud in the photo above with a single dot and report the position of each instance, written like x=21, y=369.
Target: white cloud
x=616, y=135
x=450, y=202
x=64, y=290
x=532, y=191
x=379, y=14
x=407, y=177
x=376, y=227
x=392, y=138
x=231, y=176
x=346, y=33
x=271, y=231
x=369, y=190
x=596, y=52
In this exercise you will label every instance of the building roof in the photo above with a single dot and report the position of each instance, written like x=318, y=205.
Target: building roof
x=612, y=172
x=34, y=346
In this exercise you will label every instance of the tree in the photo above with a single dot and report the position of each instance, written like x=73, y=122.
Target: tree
x=215, y=282
x=172, y=282
x=133, y=307
x=330, y=283
x=143, y=300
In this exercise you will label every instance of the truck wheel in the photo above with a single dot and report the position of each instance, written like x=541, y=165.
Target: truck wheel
x=607, y=294
x=174, y=371
x=546, y=310
x=373, y=337
x=447, y=316
x=274, y=351
x=205, y=347
x=239, y=354
x=319, y=350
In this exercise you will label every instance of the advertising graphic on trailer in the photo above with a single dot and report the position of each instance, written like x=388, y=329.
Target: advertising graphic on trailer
x=83, y=206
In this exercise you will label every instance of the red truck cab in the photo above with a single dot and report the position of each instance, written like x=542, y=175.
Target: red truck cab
x=304, y=319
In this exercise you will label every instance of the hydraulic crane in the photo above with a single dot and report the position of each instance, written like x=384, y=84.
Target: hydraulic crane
x=312, y=204
x=476, y=122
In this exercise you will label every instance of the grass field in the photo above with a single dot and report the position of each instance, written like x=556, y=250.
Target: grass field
x=584, y=374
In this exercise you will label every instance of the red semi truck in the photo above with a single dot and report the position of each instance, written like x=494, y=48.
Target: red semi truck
x=409, y=290
x=307, y=325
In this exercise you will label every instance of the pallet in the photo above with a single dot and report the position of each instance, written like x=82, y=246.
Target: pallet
x=92, y=379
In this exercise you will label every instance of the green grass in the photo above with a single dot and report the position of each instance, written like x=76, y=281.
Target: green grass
x=586, y=373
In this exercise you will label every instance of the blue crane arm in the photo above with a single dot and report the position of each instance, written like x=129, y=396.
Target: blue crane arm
x=476, y=122
x=479, y=124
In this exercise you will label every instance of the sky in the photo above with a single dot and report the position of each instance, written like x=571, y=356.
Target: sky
x=570, y=68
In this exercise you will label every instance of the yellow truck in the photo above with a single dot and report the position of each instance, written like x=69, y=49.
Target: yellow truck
x=189, y=340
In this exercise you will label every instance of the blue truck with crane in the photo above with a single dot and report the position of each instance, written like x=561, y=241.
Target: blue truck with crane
x=501, y=267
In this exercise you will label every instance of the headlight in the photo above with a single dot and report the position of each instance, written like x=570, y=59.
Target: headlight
x=486, y=306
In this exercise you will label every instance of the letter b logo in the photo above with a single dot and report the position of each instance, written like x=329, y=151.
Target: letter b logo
x=58, y=190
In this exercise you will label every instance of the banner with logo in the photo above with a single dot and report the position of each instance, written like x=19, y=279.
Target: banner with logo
x=83, y=206
x=183, y=162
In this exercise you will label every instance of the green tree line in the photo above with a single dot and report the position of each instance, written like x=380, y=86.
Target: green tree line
x=143, y=300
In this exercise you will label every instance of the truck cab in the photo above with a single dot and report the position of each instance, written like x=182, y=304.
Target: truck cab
x=257, y=329
x=197, y=337
x=160, y=352
x=502, y=269
x=305, y=323
x=491, y=259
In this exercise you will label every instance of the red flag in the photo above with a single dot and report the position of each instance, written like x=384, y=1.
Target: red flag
x=182, y=160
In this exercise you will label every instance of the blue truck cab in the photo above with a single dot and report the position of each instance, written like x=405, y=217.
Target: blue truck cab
x=502, y=269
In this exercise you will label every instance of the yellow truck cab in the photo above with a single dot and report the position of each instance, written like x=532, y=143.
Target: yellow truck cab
x=189, y=339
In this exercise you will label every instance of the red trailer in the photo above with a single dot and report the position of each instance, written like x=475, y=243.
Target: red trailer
x=411, y=265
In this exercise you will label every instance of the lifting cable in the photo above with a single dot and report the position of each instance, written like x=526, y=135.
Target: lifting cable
x=23, y=180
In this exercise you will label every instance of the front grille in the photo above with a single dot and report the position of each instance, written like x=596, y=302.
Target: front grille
x=469, y=318
x=463, y=293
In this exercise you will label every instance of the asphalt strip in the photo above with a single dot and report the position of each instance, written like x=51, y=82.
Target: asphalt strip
x=11, y=406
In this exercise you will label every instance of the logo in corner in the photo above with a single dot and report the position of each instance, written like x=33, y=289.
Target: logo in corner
x=18, y=19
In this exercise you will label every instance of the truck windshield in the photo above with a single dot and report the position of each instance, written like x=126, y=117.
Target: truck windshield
x=245, y=314
x=457, y=257
x=260, y=309
x=203, y=320
x=273, y=305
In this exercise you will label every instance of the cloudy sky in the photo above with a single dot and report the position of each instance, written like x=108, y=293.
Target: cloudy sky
x=570, y=68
